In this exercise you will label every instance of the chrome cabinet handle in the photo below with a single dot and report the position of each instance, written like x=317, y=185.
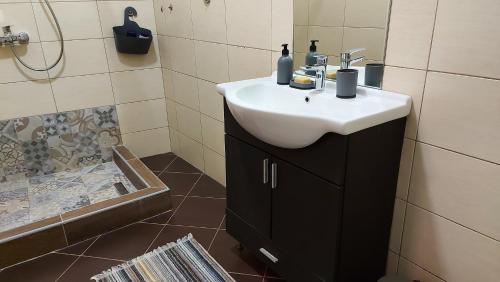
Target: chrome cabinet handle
x=265, y=174
x=274, y=175
x=268, y=255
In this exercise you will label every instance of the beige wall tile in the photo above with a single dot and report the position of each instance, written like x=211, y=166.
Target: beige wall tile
x=143, y=115
x=215, y=165
x=240, y=31
x=457, y=187
x=23, y=99
x=158, y=142
x=178, y=20
x=301, y=39
x=461, y=113
x=209, y=21
x=300, y=12
x=213, y=134
x=111, y=14
x=409, y=82
x=160, y=8
x=465, y=38
x=168, y=84
x=78, y=20
x=326, y=12
x=191, y=151
x=373, y=39
x=211, y=61
x=361, y=13
x=211, y=102
x=121, y=62
x=397, y=225
x=73, y=63
x=392, y=264
x=172, y=114
x=186, y=90
x=80, y=92
x=247, y=63
x=412, y=271
x=449, y=250
x=178, y=54
x=175, y=142
x=299, y=59
x=330, y=39
x=282, y=24
x=189, y=122
x=139, y=85
x=20, y=17
x=410, y=33
x=405, y=166
x=12, y=71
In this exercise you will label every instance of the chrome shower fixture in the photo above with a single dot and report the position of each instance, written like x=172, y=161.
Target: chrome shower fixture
x=9, y=38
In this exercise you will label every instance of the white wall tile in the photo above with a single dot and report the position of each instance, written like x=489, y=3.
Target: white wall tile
x=186, y=90
x=465, y=38
x=78, y=20
x=138, y=85
x=213, y=134
x=211, y=61
x=457, y=187
x=448, y=250
x=240, y=31
x=11, y=70
x=158, y=142
x=142, y=115
x=461, y=113
x=20, y=17
x=111, y=14
x=121, y=62
x=80, y=92
x=247, y=63
x=23, y=99
x=209, y=21
x=73, y=62
x=211, y=102
x=215, y=165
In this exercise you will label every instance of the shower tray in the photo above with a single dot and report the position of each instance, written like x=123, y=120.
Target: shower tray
x=68, y=207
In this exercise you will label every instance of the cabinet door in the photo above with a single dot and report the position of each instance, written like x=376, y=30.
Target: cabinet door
x=248, y=192
x=306, y=220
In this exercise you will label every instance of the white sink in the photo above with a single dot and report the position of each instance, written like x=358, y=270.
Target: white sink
x=281, y=116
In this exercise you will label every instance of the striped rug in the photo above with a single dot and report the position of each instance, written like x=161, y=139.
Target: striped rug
x=184, y=260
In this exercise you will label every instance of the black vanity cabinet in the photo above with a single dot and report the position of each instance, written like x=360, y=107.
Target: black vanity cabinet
x=320, y=213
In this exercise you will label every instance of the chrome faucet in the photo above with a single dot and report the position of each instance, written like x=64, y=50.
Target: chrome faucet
x=346, y=58
x=10, y=38
x=320, y=68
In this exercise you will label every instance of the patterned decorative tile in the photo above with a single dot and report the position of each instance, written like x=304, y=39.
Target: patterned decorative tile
x=72, y=203
x=36, y=156
x=106, y=117
x=102, y=195
x=11, y=154
x=44, y=211
x=29, y=129
x=49, y=123
x=16, y=194
x=7, y=130
x=14, y=184
x=95, y=182
x=13, y=219
x=3, y=178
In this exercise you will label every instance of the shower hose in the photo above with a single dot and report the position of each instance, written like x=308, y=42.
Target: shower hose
x=61, y=40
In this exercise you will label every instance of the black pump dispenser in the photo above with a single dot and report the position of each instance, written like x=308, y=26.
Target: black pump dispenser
x=313, y=47
x=285, y=51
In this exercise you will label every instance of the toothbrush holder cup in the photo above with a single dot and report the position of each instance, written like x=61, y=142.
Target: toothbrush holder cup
x=347, y=83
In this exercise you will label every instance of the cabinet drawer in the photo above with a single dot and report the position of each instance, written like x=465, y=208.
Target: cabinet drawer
x=326, y=158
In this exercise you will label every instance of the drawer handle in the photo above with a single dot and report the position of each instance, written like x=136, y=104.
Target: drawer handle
x=265, y=174
x=274, y=176
x=268, y=255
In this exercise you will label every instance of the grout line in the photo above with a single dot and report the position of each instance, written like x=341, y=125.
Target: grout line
x=217, y=232
x=437, y=276
x=78, y=256
x=64, y=230
x=173, y=214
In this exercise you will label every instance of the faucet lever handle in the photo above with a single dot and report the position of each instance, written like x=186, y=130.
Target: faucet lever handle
x=355, y=50
x=321, y=60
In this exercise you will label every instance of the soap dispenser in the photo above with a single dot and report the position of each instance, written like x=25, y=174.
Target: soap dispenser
x=311, y=56
x=285, y=66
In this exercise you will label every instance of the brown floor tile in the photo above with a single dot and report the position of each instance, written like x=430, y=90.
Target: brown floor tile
x=207, y=187
x=246, y=278
x=179, y=183
x=126, y=243
x=180, y=165
x=45, y=268
x=158, y=162
x=225, y=251
x=171, y=233
x=78, y=248
x=164, y=217
x=273, y=279
x=85, y=268
x=200, y=212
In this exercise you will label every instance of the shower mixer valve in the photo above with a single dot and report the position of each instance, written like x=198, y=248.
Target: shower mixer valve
x=10, y=38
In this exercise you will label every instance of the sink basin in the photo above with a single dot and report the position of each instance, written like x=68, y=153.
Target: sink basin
x=292, y=118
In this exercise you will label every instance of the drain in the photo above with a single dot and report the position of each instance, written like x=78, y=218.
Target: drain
x=307, y=99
